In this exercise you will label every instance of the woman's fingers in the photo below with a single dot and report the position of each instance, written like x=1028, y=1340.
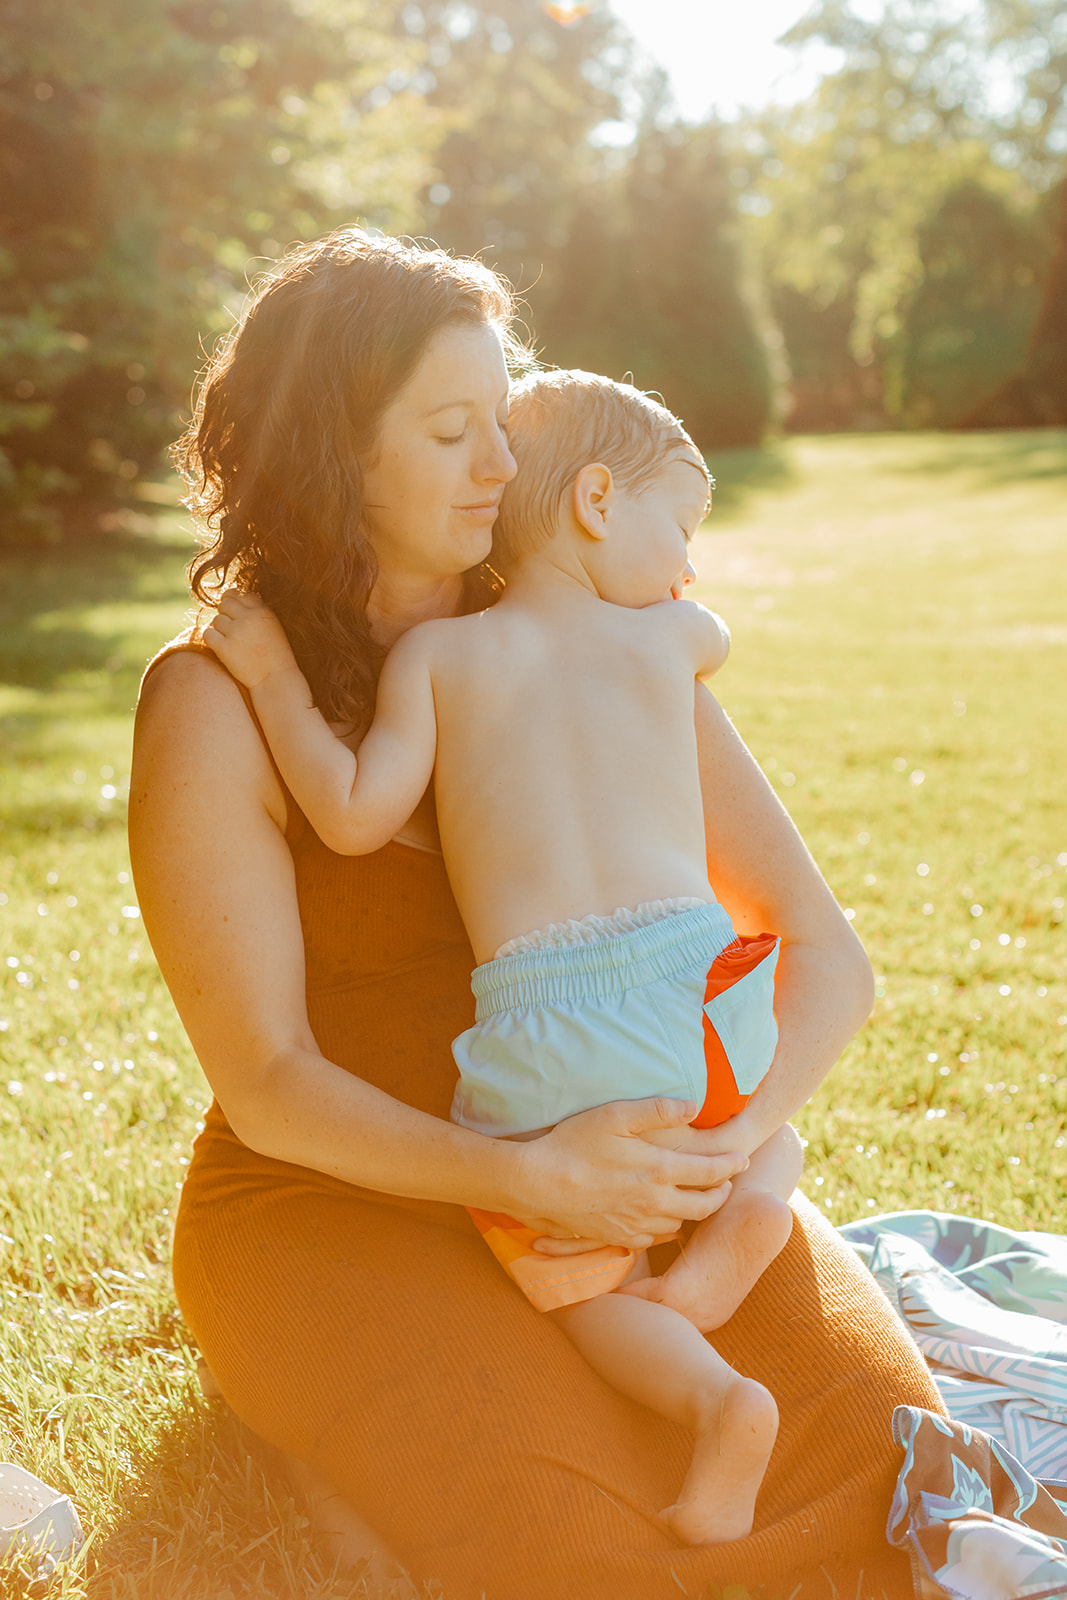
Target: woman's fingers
x=685, y=1172
x=646, y=1116
x=551, y=1246
x=664, y=1124
x=696, y=1204
x=635, y=1232
x=609, y=1179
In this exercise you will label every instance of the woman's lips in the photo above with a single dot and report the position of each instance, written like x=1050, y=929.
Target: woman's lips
x=484, y=511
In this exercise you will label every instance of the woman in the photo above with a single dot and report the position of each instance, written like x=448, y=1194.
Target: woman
x=350, y=446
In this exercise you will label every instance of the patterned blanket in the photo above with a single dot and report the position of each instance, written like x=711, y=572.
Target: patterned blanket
x=987, y=1307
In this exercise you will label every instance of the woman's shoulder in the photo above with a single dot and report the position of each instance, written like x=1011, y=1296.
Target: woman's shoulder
x=185, y=659
x=187, y=677
x=196, y=721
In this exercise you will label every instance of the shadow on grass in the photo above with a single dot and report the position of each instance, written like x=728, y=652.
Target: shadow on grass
x=204, y=1513
x=738, y=473
x=996, y=458
x=24, y=825
x=46, y=597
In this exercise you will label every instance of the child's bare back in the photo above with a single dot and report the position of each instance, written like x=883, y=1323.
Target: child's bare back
x=566, y=775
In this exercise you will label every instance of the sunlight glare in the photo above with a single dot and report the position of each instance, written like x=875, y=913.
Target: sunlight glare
x=720, y=58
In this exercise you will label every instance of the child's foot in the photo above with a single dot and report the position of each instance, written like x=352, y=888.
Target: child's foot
x=734, y=1441
x=716, y=1269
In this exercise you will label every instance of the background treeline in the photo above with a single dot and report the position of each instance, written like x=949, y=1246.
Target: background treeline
x=892, y=252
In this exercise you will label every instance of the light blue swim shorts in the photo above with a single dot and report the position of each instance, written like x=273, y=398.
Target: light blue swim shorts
x=681, y=1008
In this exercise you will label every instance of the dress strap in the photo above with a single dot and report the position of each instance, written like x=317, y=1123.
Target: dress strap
x=189, y=642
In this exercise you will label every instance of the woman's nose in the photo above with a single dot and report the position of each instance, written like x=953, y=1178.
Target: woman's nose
x=497, y=464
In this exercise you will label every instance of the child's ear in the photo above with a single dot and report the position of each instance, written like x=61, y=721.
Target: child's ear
x=592, y=499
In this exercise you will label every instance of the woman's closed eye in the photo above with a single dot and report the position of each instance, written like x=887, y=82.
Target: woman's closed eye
x=458, y=438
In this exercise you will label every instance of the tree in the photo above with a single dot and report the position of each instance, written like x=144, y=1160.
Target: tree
x=627, y=256
x=649, y=282
x=518, y=97
x=1029, y=39
x=147, y=149
x=1036, y=396
x=966, y=323
x=993, y=69
x=845, y=188
x=837, y=203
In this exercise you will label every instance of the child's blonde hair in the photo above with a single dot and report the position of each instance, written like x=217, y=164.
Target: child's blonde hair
x=558, y=423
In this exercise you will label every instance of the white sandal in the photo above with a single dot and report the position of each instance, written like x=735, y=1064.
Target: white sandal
x=36, y=1521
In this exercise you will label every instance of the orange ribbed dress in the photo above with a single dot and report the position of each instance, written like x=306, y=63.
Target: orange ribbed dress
x=379, y=1340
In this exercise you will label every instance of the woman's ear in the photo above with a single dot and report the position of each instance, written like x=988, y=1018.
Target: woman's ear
x=592, y=498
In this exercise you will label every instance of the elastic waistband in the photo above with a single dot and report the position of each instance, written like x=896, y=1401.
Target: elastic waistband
x=548, y=977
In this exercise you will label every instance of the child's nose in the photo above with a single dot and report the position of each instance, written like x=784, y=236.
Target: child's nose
x=679, y=587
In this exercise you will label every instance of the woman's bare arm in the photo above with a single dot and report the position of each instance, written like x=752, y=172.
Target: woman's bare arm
x=215, y=884
x=764, y=875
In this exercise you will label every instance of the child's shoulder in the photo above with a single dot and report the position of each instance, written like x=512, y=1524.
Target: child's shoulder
x=696, y=629
x=685, y=616
x=440, y=640
x=436, y=633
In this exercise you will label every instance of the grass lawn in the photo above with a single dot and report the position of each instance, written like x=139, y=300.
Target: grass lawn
x=899, y=612
x=898, y=606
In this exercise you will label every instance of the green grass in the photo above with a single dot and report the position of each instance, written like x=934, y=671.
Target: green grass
x=100, y=1100
x=899, y=612
x=899, y=657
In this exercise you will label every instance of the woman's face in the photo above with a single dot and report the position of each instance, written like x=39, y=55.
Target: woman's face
x=432, y=487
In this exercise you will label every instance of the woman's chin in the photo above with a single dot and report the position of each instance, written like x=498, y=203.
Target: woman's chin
x=475, y=548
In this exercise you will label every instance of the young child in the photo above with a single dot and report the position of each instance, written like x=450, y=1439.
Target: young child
x=558, y=729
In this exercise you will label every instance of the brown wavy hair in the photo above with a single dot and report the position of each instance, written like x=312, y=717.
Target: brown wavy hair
x=288, y=408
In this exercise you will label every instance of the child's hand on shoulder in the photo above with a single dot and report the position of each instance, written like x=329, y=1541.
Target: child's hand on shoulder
x=248, y=639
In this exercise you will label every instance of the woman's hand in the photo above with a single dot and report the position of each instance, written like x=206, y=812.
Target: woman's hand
x=595, y=1179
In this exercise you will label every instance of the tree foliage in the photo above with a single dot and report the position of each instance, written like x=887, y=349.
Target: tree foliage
x=150, y=148
x=649, y=282
x=518, y=97
x=1036, y=394
x=900, y=220
x=628, y=258
x=147, y=150
x=847, y=189
x=971, y=312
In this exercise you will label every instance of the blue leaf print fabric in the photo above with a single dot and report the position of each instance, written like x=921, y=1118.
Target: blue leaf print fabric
x=975, y=1524
x=988, y=1309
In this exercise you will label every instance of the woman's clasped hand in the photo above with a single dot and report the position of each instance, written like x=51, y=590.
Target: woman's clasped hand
x=643, y=1193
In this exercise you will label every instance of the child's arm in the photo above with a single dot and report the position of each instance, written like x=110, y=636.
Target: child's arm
x=354, y=804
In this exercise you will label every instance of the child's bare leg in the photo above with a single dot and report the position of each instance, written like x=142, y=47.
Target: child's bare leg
x=655, y=1356
x=724, y=1256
